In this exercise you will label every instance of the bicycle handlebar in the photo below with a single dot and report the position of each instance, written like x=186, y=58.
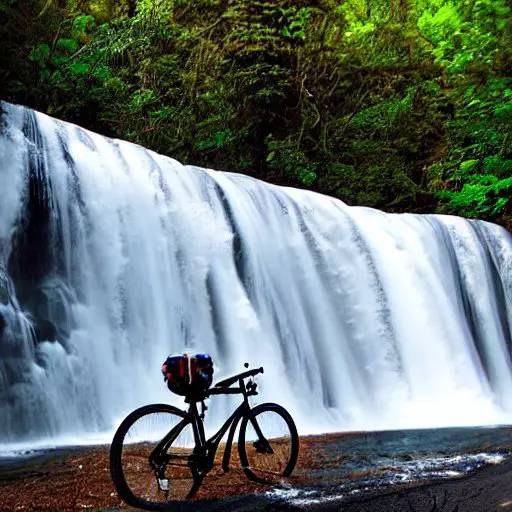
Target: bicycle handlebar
x=231, y=380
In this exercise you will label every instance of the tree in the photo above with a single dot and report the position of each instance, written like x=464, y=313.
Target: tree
x=398, y=104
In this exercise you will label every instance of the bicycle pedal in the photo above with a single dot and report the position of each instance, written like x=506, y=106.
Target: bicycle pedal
x=163, y=484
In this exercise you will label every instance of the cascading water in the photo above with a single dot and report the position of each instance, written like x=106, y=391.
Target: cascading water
x=112, y=257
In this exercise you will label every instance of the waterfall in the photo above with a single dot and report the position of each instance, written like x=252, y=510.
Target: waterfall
x=113, y=257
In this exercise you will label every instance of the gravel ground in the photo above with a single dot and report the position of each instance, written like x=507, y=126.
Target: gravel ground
x=374, y=472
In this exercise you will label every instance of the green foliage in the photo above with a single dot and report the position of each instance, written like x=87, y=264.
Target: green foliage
x=467, y=36
x=291, y=162
x=384, y=116
x=482, y=194
x=402, y=105
x=82, y=25
x=40, y=54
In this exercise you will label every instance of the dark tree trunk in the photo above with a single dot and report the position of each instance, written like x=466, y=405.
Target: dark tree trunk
x=132, y=8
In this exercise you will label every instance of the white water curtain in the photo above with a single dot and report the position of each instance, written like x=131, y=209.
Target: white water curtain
x=362, y=320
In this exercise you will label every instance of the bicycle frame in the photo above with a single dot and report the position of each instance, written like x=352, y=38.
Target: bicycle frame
x=205, y=450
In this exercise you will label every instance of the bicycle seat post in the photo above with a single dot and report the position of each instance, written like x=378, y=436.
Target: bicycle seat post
x=197, y=420
x=204, y=408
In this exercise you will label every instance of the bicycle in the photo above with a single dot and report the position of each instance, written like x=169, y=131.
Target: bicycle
x=151, y=470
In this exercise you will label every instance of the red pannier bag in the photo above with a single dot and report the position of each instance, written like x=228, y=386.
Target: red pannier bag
x=188, y=376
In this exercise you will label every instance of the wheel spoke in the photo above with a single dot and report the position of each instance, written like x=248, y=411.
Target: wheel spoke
x=268, y=444
x=144, y=477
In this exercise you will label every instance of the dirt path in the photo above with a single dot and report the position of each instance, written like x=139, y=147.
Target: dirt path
x=81, y=480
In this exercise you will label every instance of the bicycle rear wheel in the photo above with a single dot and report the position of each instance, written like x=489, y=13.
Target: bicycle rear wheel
x=268, y=444
x=146, y=472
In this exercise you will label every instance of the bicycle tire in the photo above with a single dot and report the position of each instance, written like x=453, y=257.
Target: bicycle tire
x=135, y=480
x=260, y=465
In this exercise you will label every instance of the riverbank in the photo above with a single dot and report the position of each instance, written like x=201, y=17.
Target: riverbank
x=422, y=470
x=487, y=489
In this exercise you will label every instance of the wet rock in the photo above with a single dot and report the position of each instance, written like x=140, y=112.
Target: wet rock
x=50, y=312
x=44, y=330
x=32, y=257
x=4, y=299
x=4, y=290
x=3, y=119
x=3, y=323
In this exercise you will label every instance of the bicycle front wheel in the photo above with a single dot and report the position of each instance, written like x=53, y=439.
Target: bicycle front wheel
x=150, y=455
x=268, y=444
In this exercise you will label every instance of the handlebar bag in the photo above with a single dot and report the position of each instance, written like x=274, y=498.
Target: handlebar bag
x=188, y=376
